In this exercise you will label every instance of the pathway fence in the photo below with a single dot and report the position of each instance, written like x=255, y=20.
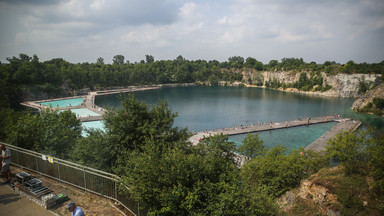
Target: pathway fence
x=86, y=178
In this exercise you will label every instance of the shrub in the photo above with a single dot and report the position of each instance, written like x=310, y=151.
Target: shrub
x=379, y=103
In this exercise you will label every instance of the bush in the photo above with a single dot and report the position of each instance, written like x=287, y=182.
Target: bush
x=278, y=171
x=379, y=103
x=326, y=88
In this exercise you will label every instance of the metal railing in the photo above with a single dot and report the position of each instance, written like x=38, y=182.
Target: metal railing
x=86, y=178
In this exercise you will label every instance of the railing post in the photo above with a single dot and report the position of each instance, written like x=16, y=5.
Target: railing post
x=18, y=158
x=85, y=181
x=115, y=183
x=58, y=169
x=37, y=164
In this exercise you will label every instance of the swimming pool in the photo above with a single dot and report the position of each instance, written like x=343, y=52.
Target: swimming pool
x=92, y=125
x=82, y=112
x=64, y=103
x=292, y=138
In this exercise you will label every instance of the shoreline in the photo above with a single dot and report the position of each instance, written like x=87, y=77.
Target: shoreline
x=294, y=90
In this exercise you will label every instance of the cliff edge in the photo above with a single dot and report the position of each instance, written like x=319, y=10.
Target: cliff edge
x=341, y=85
x=371, y=101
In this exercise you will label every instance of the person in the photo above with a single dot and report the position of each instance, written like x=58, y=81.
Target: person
x=75, y=210
x=6, y=162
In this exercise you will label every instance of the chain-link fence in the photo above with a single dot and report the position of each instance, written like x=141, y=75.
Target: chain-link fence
x=89, y=179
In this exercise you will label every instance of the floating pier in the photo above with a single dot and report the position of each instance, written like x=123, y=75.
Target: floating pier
x=343, y=125
x=318, y=145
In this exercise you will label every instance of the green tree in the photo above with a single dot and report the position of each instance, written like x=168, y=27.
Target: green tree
x=100, y=61
x=24, y=130
x=48, y=132
x=130, y=126
x=236, y=61
x=213, y=80
x=350, y=150
x=179, y=179
x=278, y=171
x=149, y=59
x=250, y=62
x=60, y=132
x=93, y=150
x=376, y=164
x=118, y=60
x=252, y=146
x=379, y=103
x=272, y=64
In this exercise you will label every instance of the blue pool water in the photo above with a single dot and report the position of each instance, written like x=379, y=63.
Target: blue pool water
x=64, y=103
x=92, y=124
x=292, y=138
x=82, y=112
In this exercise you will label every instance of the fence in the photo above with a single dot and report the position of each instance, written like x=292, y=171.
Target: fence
x=91, y=180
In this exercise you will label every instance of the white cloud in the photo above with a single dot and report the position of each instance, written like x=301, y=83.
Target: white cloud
x=97, y=4
x=213, y=29
x=223, y=21
x=187, y=9
x=148, y=36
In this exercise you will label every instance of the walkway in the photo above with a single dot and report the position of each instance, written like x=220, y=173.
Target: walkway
x=318, y=145
x=12, y=203
x=343, y=125
x=261, y=127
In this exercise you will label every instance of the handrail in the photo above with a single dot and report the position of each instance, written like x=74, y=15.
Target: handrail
x=61, y=160
x=108, y=183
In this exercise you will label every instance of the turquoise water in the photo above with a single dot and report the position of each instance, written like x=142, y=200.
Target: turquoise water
x=64, y=103
x=82, y=112
x=293, y=138
x=204, y=108
x=92, y=124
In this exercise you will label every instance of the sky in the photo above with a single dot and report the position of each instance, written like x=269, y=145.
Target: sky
x=84, y=30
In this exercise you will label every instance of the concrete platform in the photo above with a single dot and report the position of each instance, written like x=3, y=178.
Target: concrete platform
x=195, y=139
x=343, y=125
x=11, y=203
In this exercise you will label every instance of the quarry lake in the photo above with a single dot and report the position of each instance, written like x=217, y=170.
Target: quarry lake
x=205, y=108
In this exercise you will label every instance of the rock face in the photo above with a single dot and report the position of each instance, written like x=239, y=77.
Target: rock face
x=343, y=85
x=347, y=85
x=366, y=98
x=311, y=192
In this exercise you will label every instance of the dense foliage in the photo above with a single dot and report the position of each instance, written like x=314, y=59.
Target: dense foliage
x=55, y=77
x=167, y=174
x=313, y=83
x=51, y=132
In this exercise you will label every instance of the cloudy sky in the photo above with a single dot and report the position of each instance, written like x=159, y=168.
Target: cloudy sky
x=83, y=30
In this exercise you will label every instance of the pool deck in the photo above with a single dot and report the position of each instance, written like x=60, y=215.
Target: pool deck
x=88, y=103
x=318, y=145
